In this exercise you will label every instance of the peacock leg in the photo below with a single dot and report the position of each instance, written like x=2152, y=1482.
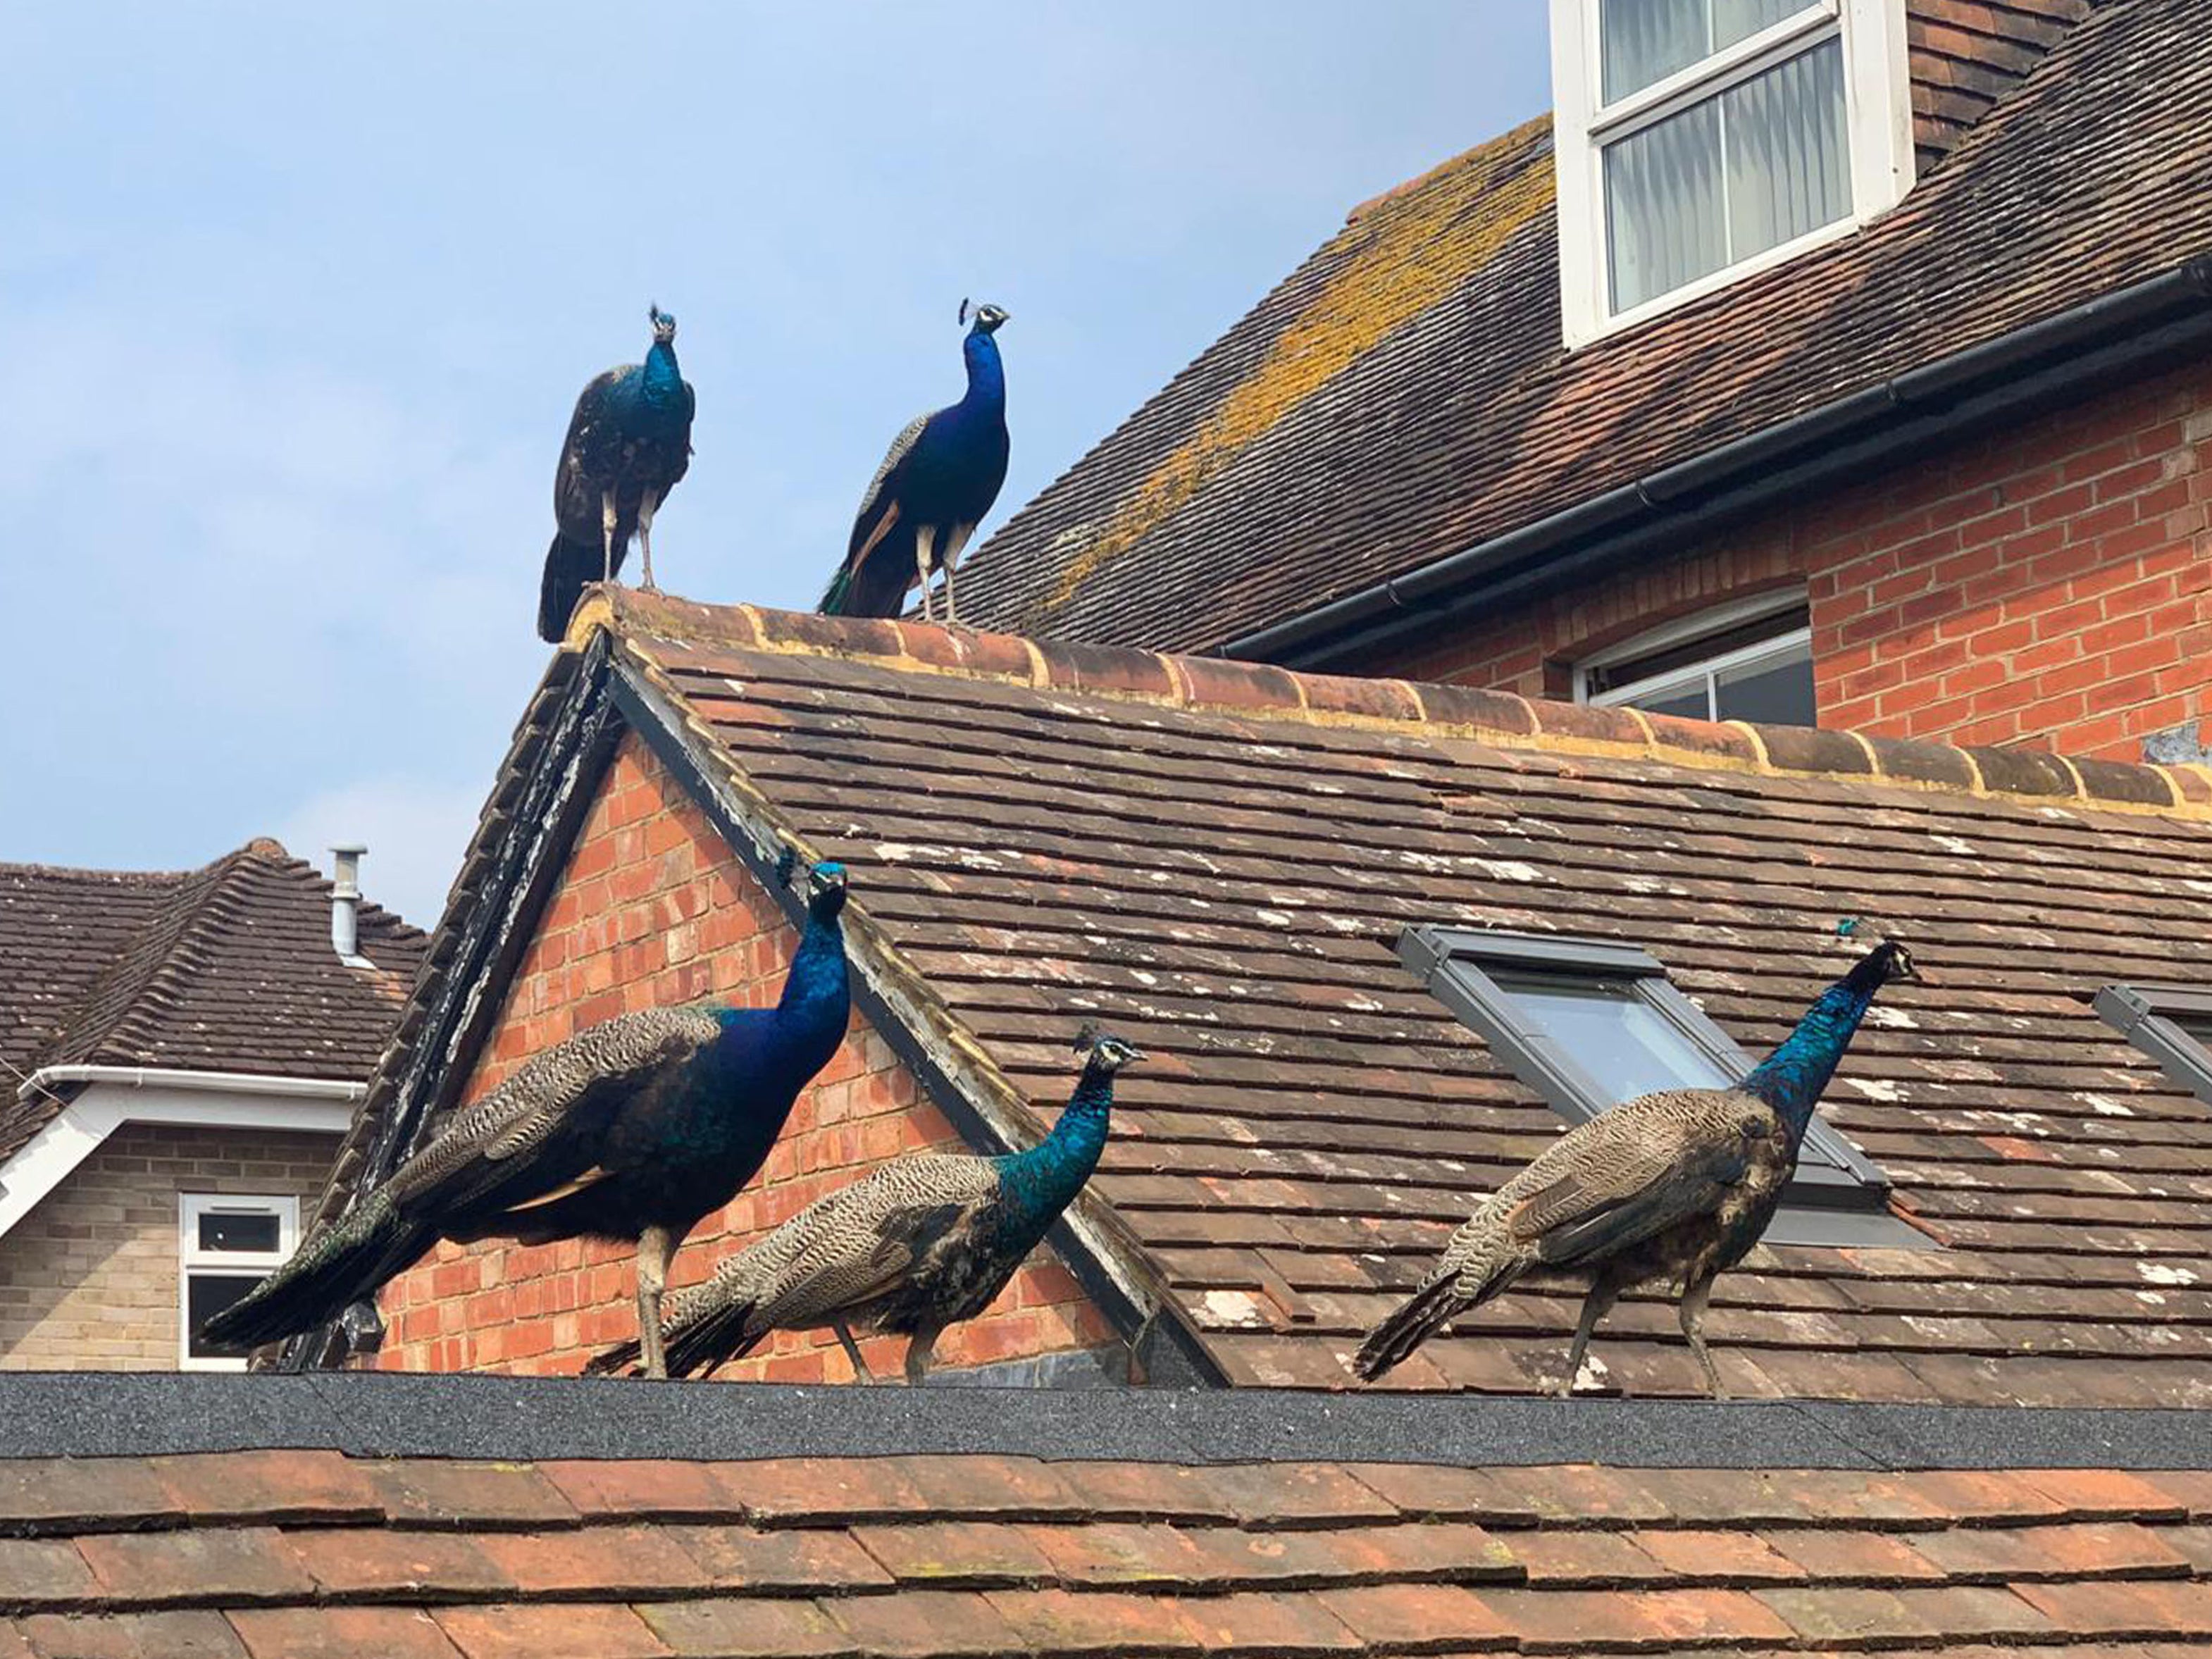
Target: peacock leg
x=918, y=1349
x=952, y=615
x=1595, y=1306
x=646, y=504
x=924, y=535
x=607, y=533
x=654, y=1247
x=851, y=1351
x=1693, y=1327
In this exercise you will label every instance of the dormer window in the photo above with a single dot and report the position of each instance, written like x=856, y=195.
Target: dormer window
x=1700, y=140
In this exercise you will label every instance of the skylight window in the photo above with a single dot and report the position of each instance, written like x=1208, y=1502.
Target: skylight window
x=1700, y=140
x=1751, y=660
x=2171, y=1023
x=1589, y=1023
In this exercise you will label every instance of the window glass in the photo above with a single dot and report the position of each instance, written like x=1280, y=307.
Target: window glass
x=1647, y=40
x=1776, y=690
x=255, y=1231
x=207, y=1295
x=1665, y=217
x=1789, y=158
x=2198, y=1028
x=1626, y=1046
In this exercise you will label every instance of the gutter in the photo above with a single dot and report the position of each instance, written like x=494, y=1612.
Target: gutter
x=2147, y=322
x=157, y=1077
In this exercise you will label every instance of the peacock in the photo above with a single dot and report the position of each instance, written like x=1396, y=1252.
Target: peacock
x=935, y=485
x=918, y=1244
x=1677, y=1184
x=628, y=445
x=631, y=1129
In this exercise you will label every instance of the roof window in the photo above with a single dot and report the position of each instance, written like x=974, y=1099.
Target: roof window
x=2171, y=1023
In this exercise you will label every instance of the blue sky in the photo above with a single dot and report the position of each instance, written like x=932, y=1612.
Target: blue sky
x=294, y=302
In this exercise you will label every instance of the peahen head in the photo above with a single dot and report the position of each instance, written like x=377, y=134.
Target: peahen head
x=825, y=891
x=664, y=325
x=988, y=317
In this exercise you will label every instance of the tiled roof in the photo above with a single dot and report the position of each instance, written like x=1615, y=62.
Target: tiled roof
x=227, y=967
x=1964, y=54
x=288, y=1554
x=1404, y=396
x=1217, y=860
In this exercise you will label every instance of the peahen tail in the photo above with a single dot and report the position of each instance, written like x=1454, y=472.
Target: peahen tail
x=1413, y=1322
x=569, y=566
x=697, y=1339
x=337, y=1266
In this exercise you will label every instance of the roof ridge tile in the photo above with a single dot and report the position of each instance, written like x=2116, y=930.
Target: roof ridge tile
x=1255, y=688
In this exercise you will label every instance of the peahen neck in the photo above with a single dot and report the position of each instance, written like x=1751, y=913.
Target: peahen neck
x=987, y=375
x=1791, y=1078
x=663, y=381
x=1045, y=1178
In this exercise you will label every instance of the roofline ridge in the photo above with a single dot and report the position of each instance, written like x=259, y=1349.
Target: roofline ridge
x=187, y=952
x=1502, y=719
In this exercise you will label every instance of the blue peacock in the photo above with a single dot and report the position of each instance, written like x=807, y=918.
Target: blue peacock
x=936, y=483
x=628, y=445
x=1679, y=1184
x=633, y=1129
x=919, y=1244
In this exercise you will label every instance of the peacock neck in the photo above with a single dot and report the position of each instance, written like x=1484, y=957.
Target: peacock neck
x=987, y=375
x=1792, y=1078
x=1046, y=1177
x=663, y=381
x=816, y=992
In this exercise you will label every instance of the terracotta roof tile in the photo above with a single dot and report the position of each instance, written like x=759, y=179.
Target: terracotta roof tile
x=1404, y=395
x=1557, y=1576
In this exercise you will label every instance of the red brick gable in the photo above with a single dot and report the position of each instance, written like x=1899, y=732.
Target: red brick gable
x=652, y=909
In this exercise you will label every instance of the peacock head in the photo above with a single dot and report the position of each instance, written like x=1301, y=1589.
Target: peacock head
x=664, y=325
x=1889, y=960
x=988, y=317
x=1103, y=1053
x=825, y=891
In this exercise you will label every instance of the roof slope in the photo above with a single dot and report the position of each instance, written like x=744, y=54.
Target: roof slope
x=227, y=968
x=1403, y=396
x=1217, y=859
x=1102, y=1553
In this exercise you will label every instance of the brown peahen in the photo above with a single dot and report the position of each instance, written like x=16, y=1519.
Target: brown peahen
x=1676, y=1185
x=919, y=1244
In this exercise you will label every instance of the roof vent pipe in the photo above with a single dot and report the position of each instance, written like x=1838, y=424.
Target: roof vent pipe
x=345, y=905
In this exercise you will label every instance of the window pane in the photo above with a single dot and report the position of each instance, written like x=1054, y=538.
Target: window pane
x=1789, y=165
x=1664, y=221
x=254, y=1229
x=1612, y=1034
x=2197, y=1026
x=207, y=1295
x=1689, y=699
x=1777, y=690
x=1647, y=40
x=1739, y=19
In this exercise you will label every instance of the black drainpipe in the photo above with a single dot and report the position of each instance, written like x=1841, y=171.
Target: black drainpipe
x=2150, y=324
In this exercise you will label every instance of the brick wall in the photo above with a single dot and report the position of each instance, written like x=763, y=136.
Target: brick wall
x=88, y=1277
x=2050, y=585
x=652, y=910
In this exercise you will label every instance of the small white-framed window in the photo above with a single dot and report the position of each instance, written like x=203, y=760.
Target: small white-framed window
x=225, y=1243
x=1751, y=659
x=1698, y=141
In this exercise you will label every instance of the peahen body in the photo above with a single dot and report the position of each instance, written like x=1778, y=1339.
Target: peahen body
x=1678, y=1185
x=939, y=480
x=628, y=445
x=632, y=1129
x=919, y=1244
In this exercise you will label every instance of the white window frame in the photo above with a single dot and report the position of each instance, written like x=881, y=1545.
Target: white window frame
x=1683, y=630
x=1878, y=122
x=233, y=1264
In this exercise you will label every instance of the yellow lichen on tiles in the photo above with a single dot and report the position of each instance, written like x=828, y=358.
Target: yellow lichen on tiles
x=1402, y=255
